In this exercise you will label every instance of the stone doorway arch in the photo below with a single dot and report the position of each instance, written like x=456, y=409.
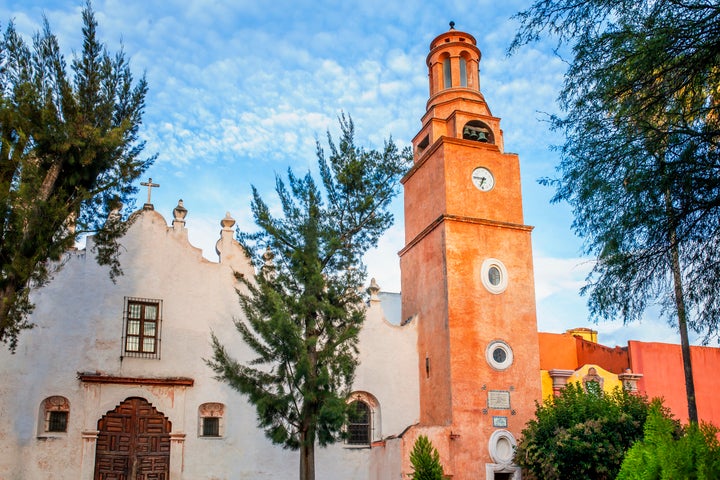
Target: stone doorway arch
x=133, y=443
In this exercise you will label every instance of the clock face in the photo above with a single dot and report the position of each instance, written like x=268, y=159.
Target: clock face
x=483, y=179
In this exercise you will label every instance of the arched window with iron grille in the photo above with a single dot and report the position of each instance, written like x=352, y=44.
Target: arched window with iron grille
x=359, y=423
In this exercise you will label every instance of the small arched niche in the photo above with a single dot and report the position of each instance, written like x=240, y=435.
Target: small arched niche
x=478, y=131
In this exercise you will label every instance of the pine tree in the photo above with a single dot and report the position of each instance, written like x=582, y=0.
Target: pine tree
x=69, y=155
x=304, y=308
x=425, y=460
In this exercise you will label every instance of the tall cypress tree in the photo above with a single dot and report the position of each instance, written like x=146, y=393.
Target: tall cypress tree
x=69, y=155
x=304, y=307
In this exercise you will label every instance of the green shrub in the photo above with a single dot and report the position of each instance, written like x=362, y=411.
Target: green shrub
x=581, y=434
x=669, y=452
x=425, y=460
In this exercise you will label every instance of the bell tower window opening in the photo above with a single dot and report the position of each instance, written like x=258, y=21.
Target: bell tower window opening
x=447, y=73
x=478, y=131
x=463, y=72
x=422, y=145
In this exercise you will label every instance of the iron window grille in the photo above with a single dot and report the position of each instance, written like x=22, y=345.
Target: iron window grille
x=142, y=326
x=57, y=422
x=211, y=427
x=359, y=428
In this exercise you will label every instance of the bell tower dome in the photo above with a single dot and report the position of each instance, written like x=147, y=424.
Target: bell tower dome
x=453, y=63
x=467, y=273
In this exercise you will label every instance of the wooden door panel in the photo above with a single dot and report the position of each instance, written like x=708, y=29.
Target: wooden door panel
x=133, y=443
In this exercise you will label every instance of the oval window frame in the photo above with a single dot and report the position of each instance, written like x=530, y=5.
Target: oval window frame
x=494, y=264
x=490, y=355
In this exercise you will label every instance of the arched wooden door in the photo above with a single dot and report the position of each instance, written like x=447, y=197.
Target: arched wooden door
x=133, y=443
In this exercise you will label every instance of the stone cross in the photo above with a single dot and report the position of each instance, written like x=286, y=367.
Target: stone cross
x=150, y=185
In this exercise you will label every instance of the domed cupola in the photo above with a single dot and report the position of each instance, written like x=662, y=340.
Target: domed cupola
x=456, y=108
x=453, y=67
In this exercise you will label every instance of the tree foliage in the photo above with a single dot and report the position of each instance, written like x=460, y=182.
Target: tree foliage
x=581, y=434
x=68, y=157
x=304, y=308
x=640, y=165
x=425, y=460
x=667, y=451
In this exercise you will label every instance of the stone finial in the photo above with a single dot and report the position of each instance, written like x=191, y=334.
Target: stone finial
x=179, y=212
x=223, y=247
x=114, y=215
x=268, y=267
x=228, y=222
x=268, y=258
x=71, y=223
x=373, y=290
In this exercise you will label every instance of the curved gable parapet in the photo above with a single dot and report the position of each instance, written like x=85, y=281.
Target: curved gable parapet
x=149, y=231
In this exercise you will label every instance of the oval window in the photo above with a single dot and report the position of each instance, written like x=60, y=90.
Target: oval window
x=494, y=275
x=499, y=355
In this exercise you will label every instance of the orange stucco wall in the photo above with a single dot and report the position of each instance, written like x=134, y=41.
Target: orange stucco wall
x=557, y=350
x=478, y=317
x=425, y=295
x=570, y=352
x=451, y=229
x=662, y=369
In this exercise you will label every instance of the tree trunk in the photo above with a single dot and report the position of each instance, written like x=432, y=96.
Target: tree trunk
x=7, y=298
x=681, y=313
x=684, y=339
x=307, y=457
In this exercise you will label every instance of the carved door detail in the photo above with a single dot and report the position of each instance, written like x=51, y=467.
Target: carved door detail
x=133, y=443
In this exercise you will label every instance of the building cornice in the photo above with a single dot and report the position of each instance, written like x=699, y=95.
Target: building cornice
x=117, y=380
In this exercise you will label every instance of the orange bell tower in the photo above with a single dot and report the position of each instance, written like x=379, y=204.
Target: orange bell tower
x=467, y=274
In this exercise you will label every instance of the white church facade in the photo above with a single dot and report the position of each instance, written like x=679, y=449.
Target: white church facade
x=112, y=383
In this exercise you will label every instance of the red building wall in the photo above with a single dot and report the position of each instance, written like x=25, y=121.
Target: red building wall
x=612, y=359
x=662, y=369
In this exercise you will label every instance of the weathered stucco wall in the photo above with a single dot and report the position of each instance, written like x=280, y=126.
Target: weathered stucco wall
x=79, y=318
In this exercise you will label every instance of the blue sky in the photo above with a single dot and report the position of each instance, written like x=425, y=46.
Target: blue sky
x=240, y=90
